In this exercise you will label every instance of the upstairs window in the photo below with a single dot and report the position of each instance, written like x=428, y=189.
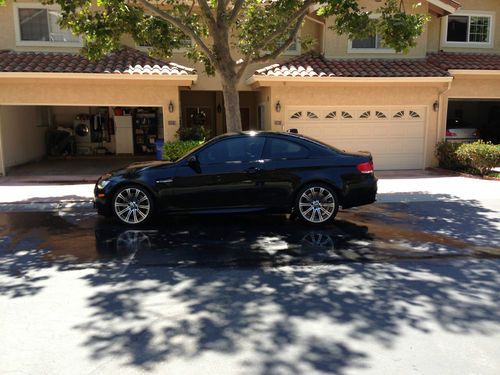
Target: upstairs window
x=468, y=30
x=38, y=25
x=371, y=44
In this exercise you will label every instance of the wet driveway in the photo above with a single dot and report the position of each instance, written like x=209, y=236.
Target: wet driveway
x=388, y=288
x=381, y=232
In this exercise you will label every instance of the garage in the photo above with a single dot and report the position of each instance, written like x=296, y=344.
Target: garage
x=472, y=119
x=394, y=135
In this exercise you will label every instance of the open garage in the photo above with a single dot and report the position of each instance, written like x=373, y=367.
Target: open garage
x=480, y=116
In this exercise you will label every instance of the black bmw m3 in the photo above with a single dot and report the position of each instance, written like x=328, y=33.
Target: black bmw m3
x=242, y=172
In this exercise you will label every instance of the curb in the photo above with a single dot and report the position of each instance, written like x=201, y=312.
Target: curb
x=46, y=206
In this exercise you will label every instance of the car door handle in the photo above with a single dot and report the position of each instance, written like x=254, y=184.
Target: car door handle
x=253, y=170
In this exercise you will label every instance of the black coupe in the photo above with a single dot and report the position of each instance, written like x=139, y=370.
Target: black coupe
x=242, y=172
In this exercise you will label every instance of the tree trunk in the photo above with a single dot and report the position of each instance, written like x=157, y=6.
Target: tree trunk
x=231, y=104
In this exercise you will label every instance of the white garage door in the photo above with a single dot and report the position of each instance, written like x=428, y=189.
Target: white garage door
x=394, y=135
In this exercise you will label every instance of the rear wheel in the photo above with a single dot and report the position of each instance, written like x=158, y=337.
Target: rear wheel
x=132, y=205
x=316, y=204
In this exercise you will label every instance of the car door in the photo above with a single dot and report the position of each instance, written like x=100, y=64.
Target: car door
x=223, y=176
x=283, y=162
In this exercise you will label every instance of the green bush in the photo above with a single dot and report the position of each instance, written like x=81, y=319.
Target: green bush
x=446, y=154
x=192, y=133
x=481, y=156
x=173, y=150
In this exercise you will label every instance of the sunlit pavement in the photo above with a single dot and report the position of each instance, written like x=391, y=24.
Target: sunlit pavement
x=404, y=286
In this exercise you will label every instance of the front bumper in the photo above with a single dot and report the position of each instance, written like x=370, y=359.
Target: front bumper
x=102, y=201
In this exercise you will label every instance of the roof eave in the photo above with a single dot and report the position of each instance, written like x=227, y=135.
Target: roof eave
x=264, y=81
x=181, y=78
x=443, y=7
x=474, y=72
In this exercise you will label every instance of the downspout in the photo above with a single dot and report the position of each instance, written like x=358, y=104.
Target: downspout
x=2, y=160
x=440, y=114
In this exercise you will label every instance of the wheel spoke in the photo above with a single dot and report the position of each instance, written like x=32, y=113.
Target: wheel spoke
x=120, y=213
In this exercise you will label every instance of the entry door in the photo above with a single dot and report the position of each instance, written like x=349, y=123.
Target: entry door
x=245, y=118
x=224, y=177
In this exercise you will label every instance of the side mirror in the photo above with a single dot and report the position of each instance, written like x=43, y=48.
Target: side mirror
x=193, y=161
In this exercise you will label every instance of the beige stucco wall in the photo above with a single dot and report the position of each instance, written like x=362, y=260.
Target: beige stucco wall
x=337, y=45
x=16, y=123
x=95, y=92
x=434, y=35
x=409, y=94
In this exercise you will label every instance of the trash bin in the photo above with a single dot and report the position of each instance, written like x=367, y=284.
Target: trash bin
x=159, y=149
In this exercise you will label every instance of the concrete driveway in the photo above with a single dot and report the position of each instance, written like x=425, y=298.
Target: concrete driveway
x=410, y=284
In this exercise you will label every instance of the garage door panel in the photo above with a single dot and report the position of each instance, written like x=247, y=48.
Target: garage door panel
x=396, y=140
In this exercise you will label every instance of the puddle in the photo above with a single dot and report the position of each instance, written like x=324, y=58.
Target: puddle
x=382, y=232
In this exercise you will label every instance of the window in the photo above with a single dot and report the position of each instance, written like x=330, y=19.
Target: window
x=370, y=44
x=38, y=25
x=470, y=29
x=233, y=150
x=282, y=149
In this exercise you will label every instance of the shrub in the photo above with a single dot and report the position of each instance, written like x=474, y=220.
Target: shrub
x=482, y=156
x=173, y=150
x=192, y=133
x=446, y=154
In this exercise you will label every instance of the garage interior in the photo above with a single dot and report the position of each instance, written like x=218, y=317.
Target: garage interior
x=483, y=115
x=56, y=139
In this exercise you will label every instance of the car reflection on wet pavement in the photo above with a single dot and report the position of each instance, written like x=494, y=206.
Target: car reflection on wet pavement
x=382, y=232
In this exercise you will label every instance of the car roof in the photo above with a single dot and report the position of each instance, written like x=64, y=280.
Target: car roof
x=260, y=133
x=295, y=136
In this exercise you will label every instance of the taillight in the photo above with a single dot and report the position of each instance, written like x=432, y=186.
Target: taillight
x=365, y=167
x=450, y=134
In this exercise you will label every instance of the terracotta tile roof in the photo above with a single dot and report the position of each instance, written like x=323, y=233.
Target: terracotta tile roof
x=310, y=65
x=467, y=61
x=123, y=61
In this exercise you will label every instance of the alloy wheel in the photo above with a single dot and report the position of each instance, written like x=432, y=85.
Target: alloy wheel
x=317, y=204
x=132, y=205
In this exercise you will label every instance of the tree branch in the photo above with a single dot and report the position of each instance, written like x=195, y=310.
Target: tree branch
x=277, y=33
x=177, y=22
x=206, y=12
x=282, y=48
x=221, y=10
x=238, y=4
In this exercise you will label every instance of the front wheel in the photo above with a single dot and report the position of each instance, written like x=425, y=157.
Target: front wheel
x=132, y=205
x=316, y=204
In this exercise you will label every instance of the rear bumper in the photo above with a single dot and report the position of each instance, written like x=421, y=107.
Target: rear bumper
x=360, y=193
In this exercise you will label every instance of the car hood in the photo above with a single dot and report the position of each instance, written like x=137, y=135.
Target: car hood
x=139, y=166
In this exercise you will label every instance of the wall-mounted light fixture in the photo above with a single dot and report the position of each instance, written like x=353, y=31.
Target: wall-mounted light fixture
x=435, y=106
x=170, y=107
x=277, y=107
x=219, y=108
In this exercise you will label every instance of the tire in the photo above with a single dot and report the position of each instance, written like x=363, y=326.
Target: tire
x=132, y=205
x=316, y=204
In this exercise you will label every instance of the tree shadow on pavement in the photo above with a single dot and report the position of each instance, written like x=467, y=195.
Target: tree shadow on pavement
x=202, y=288
x=295, y=320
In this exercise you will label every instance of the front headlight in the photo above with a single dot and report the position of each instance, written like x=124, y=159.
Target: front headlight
x=102, y=184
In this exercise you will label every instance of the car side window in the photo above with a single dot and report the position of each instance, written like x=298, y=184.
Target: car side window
x=241, y=149
x=282, y=149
